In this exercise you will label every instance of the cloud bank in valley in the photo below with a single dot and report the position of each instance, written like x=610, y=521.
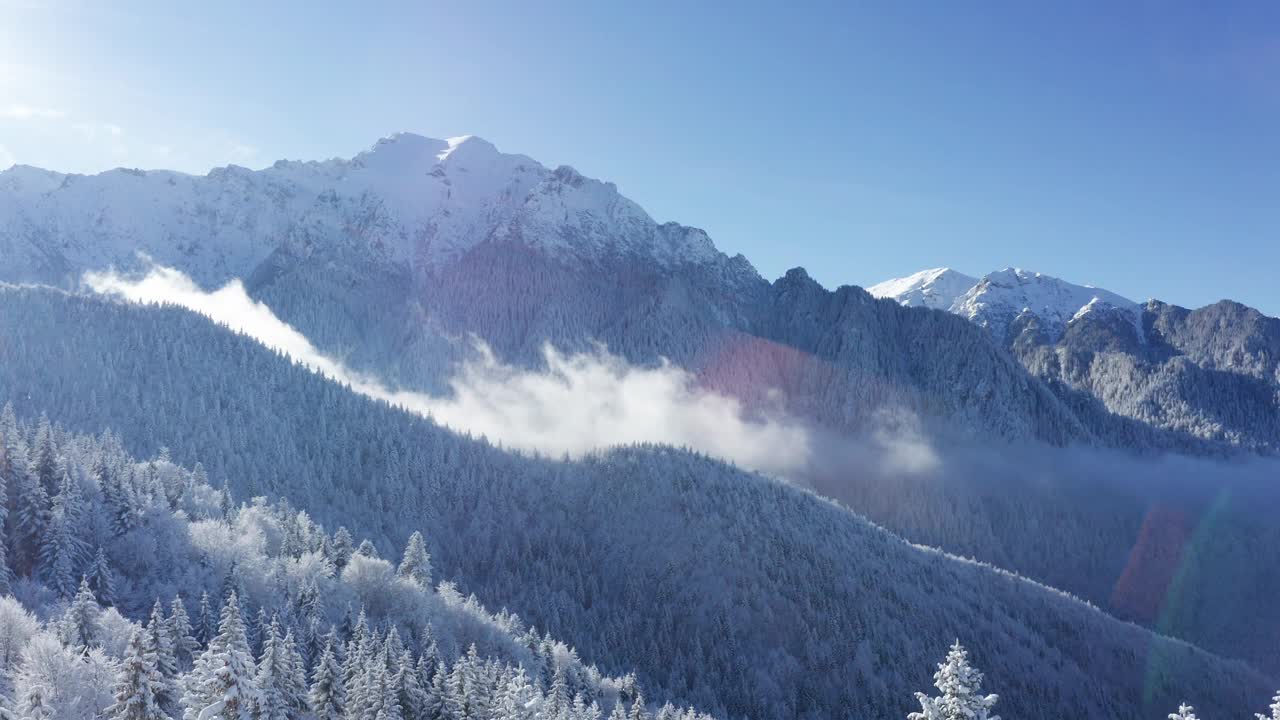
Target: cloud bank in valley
x=579, y=403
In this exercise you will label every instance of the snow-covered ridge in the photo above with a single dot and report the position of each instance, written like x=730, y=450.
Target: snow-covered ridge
x=408, y=200
x=998, y=298
x=937, y=288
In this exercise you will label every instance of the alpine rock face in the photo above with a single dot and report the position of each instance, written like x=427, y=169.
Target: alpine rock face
x=1205, y=374
x=1000, y=298
x=395, y=258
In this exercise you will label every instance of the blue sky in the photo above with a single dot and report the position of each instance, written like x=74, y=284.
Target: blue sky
x=1133, y=145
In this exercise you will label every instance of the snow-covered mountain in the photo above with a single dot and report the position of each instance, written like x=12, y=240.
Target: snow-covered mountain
x=410, y=201
x=936, y=288
x=998, y=299
x=394, y=258
x=1155, y=363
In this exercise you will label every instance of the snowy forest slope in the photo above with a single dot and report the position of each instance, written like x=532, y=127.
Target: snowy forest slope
x=814, y=611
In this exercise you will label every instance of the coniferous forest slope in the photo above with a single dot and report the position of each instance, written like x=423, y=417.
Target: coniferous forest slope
x=742, y=595
x=182, y=591
x=1114, y=450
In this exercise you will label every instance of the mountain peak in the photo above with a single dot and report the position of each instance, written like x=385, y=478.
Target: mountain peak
x=409, y=200
x=935, y=288
x=1001, y=297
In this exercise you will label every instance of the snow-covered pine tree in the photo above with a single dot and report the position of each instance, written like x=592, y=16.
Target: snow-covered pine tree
x=1185, y=712
x=638, y=709
x=181, y=636
x=438, y=694
x=223, y=674
x=1275, y=710
x=159, y=649
x=410, y=693
x=367, y=549
x=378, y=693
x=961, y=695
x=356, y=656
x=34, y=704
x=80, y=626
x=295, y=686
x=31, y=521
x=255, y=629
x=328, y=695
x=343, y=546
x=558, y=694
x=226, y=506
x=518, y=697
x=62, y=552
x=101, y=580
x=6, y=576
x=457, y=699
x=416, y=564
x=44, y=463
x=206, y=622
x=139, y=689
x=272, y=701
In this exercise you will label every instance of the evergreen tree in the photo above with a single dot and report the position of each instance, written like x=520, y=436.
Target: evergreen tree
x=638, y=710
x=517, y=698
x=558, y=697
x=272, y=702
x=343, y=546
x=295, y=685
x=181, y=636
x=328, y=695
x=101, y=579
x=62, y=552
x=410, y=693
x=1275, y=710
x=80, y=623
x=31, y=523
x=961, y=696
x=140, y=685
x=416, y=564
x=6, y=575
x=206, y=623
x=226, y=506
x=159, y=649
x=367, y=549
x=45, y=458
x=1185, y=712
x=224, y=672
x=457, y=699
x=437, y=707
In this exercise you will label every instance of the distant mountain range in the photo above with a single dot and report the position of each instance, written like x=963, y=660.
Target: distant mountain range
x=391, y=258
x=1211, y=373
x=740, y=594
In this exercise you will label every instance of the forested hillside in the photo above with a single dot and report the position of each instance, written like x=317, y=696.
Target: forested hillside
x=736, y=593
x=137, y=590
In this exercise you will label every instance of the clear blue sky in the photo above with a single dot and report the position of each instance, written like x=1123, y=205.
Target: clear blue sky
x=1132, y=145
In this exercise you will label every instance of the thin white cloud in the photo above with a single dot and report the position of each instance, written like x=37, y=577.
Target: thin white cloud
x=578, y=404
x=21, y=111
x=6, y=158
